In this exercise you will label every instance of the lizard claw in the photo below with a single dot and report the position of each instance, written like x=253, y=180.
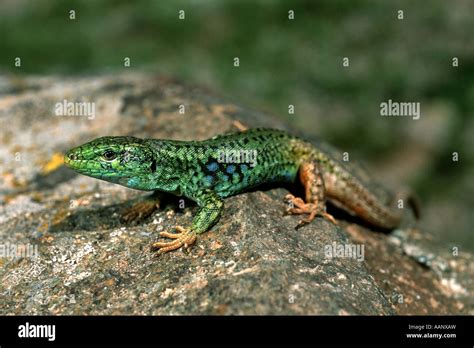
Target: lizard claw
x=300, y=207
x=329, y=217
x=186, y=237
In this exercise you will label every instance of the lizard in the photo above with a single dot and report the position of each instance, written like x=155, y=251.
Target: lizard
x=210, y=170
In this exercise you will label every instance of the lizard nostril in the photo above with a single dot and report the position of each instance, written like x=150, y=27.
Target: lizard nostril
x=72, y=156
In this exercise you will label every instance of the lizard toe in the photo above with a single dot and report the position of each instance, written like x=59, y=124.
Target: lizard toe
x=185, y=237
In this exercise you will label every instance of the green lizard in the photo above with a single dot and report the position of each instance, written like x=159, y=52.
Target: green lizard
x=210, y=170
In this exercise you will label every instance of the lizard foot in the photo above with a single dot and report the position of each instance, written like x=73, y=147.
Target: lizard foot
x=300, y=207
x=139, y=211
x=185, y=237
x=239, y=125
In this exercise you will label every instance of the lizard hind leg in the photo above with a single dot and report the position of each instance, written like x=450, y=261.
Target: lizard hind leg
x=311, y=177
x=142, y=209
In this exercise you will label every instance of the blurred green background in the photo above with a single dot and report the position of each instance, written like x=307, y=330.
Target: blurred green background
x=298, y=62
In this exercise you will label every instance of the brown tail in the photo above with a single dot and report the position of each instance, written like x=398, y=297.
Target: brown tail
x=415, y=205
x=412, y=200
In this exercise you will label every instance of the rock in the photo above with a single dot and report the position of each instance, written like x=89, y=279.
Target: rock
x=252, y=262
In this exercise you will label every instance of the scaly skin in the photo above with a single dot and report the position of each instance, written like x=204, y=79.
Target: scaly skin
x=206, y=172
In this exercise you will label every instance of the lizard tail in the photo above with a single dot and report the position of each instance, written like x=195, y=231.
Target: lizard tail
x=412, y=200
x=415, y=205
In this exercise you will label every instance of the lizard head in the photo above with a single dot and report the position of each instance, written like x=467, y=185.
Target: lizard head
x=122, y=160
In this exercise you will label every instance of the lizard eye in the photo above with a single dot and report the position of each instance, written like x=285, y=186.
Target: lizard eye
x=109, y=155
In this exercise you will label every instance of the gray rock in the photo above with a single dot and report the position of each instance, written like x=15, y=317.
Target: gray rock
x=252, y=262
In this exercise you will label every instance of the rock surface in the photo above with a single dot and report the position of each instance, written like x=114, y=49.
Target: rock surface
x=252, y=262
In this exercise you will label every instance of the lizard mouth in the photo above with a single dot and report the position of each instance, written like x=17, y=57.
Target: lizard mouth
x=90, y=168
x=73, y=161
x=70, y=159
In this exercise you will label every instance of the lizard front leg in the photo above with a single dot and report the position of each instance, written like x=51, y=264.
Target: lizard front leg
x=311, y=177
x=210, y=207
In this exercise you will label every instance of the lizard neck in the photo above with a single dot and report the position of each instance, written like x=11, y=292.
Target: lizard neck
x=168, y=172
